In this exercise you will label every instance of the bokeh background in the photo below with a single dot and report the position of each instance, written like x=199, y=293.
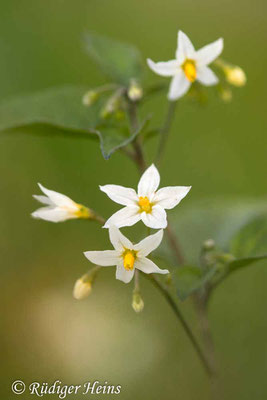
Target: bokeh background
x=220, y=150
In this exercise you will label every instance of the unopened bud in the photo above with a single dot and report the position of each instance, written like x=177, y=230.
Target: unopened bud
x=235, y=75
x=209, y=245
x=82, y=289
x=113, y=106
x=83, y=286
x=90, y=98
x=137, y=303
x=135, y=91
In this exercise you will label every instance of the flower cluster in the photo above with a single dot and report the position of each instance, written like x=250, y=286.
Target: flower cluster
x=148, y=204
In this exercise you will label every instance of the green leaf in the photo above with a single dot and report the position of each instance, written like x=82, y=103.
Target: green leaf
x=219, y=219
x=244, y=262
x=188, y=279
x=120, y=61
x=251, y=239
x=62, y=108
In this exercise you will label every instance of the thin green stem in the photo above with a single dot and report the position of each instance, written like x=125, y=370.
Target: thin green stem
x=165, y=131
x=139, y=155
x=183, y=322
x=173, y=241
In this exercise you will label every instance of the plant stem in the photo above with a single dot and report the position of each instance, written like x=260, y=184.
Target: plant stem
x=186, y=327
x=99, y=219
x=173, y=241
x=165, y=131
x=139, y=155
x=200, y=302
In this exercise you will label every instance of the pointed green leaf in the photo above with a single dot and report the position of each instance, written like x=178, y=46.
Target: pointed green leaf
x=211, y=218
x=188, y=279
x=63, y=108
x=251, y=239
x=120, y=61
x=244, y=262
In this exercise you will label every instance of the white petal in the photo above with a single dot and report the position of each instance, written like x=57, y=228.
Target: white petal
x=53, y=214
x=127, y=216
x=104, y=258
x=185, y=48
x=118, y=240
x=206, y=76
x=208, y=53
x=157, y=219
x=179, y=86
x=120, y=194
x=148, y=267
x=57, y=198
x=123, y=275
x=149, y=182
x=168, y=68
x=43, y=199
x=150, y=243
x=170, y=196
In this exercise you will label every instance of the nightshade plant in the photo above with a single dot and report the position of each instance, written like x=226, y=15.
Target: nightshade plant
x=229, y=237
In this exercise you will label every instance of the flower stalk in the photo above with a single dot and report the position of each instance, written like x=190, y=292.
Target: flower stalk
x=164, y=291
x=165, y=130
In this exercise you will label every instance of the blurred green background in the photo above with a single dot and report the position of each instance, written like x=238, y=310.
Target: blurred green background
x=220, y=150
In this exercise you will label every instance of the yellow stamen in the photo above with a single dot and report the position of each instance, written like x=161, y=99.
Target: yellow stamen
x=129, y=257
x=145, y=204
x=83, y=212
x=189, y=67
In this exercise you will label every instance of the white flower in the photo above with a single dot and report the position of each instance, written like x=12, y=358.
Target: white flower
x=147, y=204
x=59, y=207
x=128, y=256
x=189, y=65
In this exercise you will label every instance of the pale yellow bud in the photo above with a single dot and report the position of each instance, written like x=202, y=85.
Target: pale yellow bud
x=83, y=286
x=235, y=75
x=209, y=244
x=137, y=303
x=90, y=98
x=82, y=289
x=135, y=91
x=113, y=105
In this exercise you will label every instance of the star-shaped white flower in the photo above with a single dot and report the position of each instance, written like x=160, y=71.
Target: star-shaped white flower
x=148, y=204
x=128, y=256
x=59, y=207
x=190, y=65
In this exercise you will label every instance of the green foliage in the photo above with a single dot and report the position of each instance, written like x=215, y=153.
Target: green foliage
x=219, y=219
x=188, y=279
x=240, y=234
x=244, y=262
x=119, y=61
x=62, y=108
x=251, y=239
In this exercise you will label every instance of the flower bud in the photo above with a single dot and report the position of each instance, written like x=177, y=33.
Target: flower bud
x=135, y=91
x=82, y=289
x=90, y=98
x=83, y=286
x=137, y=303
x=209, y=245
x=112, y=106
x=235, y=75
